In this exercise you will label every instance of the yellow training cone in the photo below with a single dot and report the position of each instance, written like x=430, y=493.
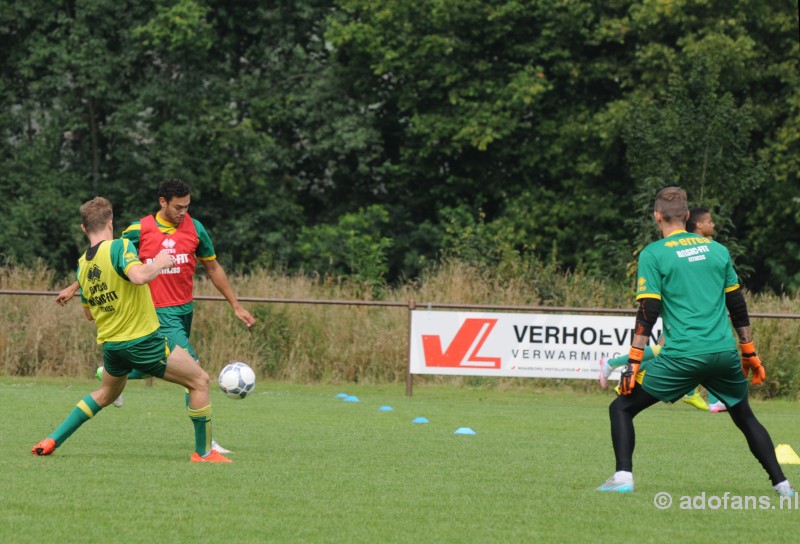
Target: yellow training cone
x=786, y=455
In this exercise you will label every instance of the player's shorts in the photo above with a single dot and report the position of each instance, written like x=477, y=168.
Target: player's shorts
x=668, y=379
x=147, y=355
x=177, y=327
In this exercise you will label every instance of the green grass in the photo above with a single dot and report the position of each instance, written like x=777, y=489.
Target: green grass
x=311, y=468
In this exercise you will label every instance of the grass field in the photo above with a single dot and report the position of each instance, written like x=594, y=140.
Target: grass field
x=312, y=468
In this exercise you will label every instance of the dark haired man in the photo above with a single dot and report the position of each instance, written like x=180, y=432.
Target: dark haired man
x=115, y=295
x=700, y=222
x=173, y=231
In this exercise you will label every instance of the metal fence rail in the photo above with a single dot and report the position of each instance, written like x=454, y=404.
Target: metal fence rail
x=412, y=305
x=418, y=305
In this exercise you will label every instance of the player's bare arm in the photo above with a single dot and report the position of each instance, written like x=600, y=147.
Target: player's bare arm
x=144, y=273
x=220, y=281
x=67, y=293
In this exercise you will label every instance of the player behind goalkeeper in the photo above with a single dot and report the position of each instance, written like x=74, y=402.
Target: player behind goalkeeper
x=689, y=281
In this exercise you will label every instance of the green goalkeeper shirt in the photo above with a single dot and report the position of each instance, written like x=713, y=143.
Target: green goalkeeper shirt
x=690, y=274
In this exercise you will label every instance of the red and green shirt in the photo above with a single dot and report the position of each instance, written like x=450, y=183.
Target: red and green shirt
x=188, y=242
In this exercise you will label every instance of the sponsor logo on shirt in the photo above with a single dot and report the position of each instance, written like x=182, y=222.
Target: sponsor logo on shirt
x=693, y=253
x=694, y=241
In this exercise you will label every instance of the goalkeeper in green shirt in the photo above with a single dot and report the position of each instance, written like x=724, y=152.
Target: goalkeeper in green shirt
x=689, y=281
x=700, y=222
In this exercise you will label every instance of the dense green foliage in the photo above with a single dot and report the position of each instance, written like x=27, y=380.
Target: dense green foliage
x=360, y=138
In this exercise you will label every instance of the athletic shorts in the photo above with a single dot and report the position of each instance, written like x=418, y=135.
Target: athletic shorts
x=177, y=328
x=668, y=379
x=148, y=355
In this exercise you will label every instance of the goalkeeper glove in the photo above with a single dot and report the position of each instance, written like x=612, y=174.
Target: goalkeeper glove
x=751, y=361
x=628, y=377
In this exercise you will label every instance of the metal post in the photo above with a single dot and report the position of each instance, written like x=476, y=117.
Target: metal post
x=412, y=305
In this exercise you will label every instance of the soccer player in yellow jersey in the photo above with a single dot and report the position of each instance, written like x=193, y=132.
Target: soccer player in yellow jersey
x=115, y=295
x=174, y=231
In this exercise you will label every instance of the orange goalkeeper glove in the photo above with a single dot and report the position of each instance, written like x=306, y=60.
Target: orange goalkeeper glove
x=751, y=361
x=627, y=379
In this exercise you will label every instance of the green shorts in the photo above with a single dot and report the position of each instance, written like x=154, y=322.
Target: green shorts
x=177, y=327
x=147, y=355
x=668, y=379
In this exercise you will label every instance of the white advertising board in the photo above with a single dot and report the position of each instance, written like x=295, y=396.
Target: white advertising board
x=517, y=344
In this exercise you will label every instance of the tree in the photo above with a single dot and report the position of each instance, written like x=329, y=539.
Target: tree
x=548, y=126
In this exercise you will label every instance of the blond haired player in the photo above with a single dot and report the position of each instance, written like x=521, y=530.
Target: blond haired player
x=115, y=295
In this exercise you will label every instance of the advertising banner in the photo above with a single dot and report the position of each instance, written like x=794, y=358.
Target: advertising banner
x=517, y=344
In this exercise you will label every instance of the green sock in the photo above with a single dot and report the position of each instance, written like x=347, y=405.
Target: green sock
x=622, y=360
x=85, y=410
x=201, y=419
x=712, y=399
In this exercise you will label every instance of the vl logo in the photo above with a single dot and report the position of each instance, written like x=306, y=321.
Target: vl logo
x=94, y=273
x=463, y=349
x=168, y=243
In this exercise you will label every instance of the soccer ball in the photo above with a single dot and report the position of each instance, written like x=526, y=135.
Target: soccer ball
x=237, y=380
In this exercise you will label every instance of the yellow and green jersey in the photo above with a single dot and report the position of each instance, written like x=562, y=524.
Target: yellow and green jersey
x=122, y=310
x=690, y=274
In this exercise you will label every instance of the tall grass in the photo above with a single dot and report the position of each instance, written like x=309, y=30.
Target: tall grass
x=36, y=336
x=313, y=343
